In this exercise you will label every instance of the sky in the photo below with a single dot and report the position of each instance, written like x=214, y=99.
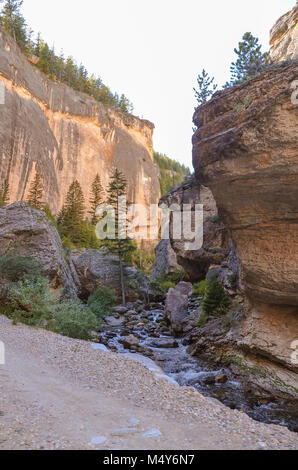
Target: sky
x=152, y=51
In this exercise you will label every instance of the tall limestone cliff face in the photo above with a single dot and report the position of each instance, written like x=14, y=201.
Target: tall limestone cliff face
x=48, y=127
x=284, y=37
x=245, y=151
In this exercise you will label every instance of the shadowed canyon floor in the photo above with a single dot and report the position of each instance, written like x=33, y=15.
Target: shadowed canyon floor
x=57, y=392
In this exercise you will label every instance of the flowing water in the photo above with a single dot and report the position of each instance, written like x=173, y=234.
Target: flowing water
x=187, y=370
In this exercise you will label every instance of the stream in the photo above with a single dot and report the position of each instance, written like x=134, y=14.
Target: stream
x=148, y=335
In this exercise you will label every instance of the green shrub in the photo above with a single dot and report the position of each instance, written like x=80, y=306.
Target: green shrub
x=215, y=219
x=177, y=276
x=143, y=259
x=49, y=214
x=199, y=288
x=203, y=319
x=213, y=274
x=233, y=278
x=67, y=243
x=166, y=285
x=101, y=301
x=32, y=301
x=87, y=237
x=162, y=285
x=216, y=301
x=73, y=319
x=167, y=281
x=15, y=268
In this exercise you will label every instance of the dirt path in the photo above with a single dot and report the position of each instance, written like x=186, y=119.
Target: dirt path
x=60, y=393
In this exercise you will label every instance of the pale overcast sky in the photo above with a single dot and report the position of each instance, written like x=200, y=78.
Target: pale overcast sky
x=152, y=51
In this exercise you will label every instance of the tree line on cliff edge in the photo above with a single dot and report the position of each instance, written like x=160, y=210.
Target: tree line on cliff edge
x=250, y=61
x=56, y=67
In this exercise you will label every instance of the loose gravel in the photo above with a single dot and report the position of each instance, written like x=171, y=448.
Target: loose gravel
x=60, y=393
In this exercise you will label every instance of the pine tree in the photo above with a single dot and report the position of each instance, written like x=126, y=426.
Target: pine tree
x=56, y=67
x=4, y=194
x=96, y=198
x=206, y=87
x=122, y=247
x=36, y=193
x=250, y=62
x=13, y=21
x=71, y=217
x=216, y=301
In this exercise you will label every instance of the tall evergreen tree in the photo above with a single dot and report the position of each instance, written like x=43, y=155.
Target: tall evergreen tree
x=96, y=198
x=36, y=193
x=216, y=301
x=250, y=60
x=4, y=194
x=120, y=246
x=71, y=217
x=13, y=22
x=206, y=87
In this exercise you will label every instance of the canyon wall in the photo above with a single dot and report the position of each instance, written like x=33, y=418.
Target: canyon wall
x=47, y=127
x=245, y=152
x=284, y=37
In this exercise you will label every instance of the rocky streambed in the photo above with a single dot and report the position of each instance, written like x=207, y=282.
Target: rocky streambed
x=145, y=330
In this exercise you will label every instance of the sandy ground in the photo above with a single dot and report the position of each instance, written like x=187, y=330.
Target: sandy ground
x=60, y=393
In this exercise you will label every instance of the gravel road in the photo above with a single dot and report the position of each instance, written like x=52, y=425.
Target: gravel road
x=60, y=393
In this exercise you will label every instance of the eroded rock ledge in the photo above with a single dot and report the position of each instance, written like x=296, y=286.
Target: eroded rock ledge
x=245, y=151
x=248, y=158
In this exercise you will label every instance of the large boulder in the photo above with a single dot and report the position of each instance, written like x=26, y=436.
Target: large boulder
x=176, y=308
x=130, y=342
x=216, y=242
x=96, y=268
x=166, y=259
x=27, y=232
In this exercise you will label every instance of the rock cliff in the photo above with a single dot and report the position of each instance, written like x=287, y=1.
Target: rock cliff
x=46, y=126
x=245, y=152
x=248, y=158
x=284, y=37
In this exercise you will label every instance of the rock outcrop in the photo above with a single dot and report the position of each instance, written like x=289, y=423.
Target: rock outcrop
x=284, y=37
x=166, y=259
x=216, y=243
x=96, y=268
x=248, y=158
x=176, y=307
x=27, y=232
x=245, y=151
x=64, y=135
